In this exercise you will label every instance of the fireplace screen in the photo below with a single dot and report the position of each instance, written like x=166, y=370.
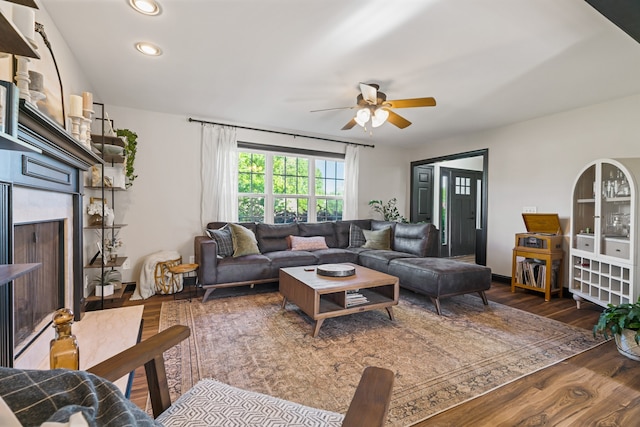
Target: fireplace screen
x=38, y=294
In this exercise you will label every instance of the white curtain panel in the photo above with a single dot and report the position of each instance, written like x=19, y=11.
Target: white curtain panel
x=219, y=174
x=351, y=172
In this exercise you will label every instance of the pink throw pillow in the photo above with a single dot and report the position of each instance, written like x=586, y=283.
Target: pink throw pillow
x=308, y=243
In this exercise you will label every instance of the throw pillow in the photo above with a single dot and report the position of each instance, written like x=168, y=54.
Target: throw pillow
x=378, y=239
x=308, y=243
x=356, y=237
x=244, y=241
x=224, y=240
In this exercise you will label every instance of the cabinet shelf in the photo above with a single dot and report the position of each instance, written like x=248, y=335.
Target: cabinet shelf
x=117, y=294
x=112, y=264
x=106, y=227
x=604, y=236
x=89, y=187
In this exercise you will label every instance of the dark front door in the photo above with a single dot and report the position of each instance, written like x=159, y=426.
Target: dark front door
x=463, y=192
x=422, y=194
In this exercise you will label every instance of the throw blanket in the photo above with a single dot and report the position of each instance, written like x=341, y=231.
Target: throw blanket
x=146, y=286
x=58, y=395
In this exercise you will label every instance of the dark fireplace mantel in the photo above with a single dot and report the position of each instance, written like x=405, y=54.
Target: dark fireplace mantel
x=57, y=168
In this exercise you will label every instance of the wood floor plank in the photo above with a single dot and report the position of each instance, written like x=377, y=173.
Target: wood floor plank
x=597, y=387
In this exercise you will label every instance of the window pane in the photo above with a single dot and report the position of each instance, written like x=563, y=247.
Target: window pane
x=340, y=187
x=251, y=172
x=287, y=210
x=331, y=169
x=251, y=209
x=329, y=210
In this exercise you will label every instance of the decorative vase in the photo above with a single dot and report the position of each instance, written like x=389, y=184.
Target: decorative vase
x=63, y=349
x=627, y=345
x=95, y=219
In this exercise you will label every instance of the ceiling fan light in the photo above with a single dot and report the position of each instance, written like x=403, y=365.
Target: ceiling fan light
x=362, y=116
x=379, y=117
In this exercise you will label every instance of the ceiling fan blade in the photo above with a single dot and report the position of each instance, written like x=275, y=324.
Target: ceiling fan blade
x=411, y=103
x=369, y=93
x=349, y=125
x=398, y=120
x=331, y=109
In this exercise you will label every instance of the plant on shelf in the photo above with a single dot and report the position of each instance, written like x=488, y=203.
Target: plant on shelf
x=621, y=321
x=389, y=211
x=130, y=149
x=96, y=212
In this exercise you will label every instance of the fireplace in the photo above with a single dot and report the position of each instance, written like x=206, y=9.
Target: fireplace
x=39, y=293
x=41, y=186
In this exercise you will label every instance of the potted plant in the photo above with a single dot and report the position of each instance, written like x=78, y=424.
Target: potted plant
x=130, y=139
x=389, y=211
x=622, y=321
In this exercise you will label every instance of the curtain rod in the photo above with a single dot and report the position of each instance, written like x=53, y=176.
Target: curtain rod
x=295, y=135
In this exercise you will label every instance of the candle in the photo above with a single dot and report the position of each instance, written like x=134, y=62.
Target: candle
x=75, y=108
x=25, y=19
x=87, y=101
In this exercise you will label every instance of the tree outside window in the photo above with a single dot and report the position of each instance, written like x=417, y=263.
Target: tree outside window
x=275, y=188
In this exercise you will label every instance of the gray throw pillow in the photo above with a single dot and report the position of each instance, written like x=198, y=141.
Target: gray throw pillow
x=378, y=239
x=356, y=237
x=224, y=240
x=244, y=241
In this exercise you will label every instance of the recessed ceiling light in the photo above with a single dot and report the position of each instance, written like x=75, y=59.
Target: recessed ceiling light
x=147, y=7
x=148, y=49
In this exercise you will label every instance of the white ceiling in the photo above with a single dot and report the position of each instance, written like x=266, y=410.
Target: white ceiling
x=267, y=63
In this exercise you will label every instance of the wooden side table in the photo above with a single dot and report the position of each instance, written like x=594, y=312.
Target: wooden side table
x=189, y=278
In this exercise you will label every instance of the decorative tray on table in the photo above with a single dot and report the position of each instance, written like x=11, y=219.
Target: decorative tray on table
x=336, y=270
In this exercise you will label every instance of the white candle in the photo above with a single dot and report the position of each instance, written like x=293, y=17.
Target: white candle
x=75, y=107
x=87, y=101
x=25, y=19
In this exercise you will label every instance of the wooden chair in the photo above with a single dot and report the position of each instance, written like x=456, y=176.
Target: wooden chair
x=368, y=407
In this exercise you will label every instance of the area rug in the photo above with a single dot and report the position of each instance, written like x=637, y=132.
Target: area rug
x=250, y=342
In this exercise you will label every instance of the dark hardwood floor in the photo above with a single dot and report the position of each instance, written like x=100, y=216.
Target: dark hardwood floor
x=598, y=387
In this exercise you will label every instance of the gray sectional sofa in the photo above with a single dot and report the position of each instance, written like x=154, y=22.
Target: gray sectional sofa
x=408, y=243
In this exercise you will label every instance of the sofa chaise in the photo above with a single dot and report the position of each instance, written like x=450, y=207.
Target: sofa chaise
x=407, y=251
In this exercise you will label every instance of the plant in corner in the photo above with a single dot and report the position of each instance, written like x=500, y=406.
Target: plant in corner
x=622, y=321
x=130, y=149
x=389, y=211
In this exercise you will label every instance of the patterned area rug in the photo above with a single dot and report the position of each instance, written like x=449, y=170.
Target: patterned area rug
x=249, y=342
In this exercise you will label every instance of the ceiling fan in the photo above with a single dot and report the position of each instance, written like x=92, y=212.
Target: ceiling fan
x=373, y=106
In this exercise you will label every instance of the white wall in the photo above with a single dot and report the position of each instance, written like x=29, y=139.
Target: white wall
x=535, y=163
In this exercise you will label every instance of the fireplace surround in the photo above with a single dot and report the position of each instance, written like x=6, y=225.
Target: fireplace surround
x=41, y=186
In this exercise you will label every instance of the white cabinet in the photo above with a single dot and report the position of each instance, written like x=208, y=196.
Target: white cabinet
x=604, y=232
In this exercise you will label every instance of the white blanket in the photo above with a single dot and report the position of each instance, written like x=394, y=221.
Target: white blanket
x=146, y=286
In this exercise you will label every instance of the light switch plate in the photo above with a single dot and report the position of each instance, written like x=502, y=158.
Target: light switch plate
x=529, y=209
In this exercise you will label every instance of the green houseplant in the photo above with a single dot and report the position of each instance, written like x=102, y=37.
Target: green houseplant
x=622, y=321
x=130, y=149
x=389, y=211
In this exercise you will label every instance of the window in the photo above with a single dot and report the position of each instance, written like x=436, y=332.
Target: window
x=284, y=188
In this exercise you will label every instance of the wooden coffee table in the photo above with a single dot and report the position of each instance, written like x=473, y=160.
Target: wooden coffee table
x=321, y=297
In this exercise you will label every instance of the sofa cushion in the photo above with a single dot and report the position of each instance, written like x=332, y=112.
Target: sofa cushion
x=411, y=238
x=379, y=260
x=283, y=259
x=314, y=243
x=216, y=225
x=378, y=239
x=343, y=228
x=325, y=229
x=243, y=269
x=356, y=237
x=273, y=237
x=210, y=402
x=244, y=241
x=438, y=277
x=336, y=256
x=223, y=239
